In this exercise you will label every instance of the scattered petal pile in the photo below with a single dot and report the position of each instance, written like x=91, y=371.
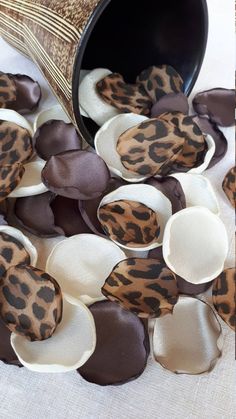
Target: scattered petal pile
x=139, y=223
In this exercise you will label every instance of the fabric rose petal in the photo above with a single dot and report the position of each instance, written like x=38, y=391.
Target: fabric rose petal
x=218, y=104
x=19, y=92
x=81, y=265
x=195, y=245
x=229, y=186
x=198, y=191
x=90, y=100
x=146, y=287
x=31, y=302
x=190, y=340
x=70, y=346
x=224, y=296
x=76, y=175
x=122, y=348
x=142, y=230
x=106, y=141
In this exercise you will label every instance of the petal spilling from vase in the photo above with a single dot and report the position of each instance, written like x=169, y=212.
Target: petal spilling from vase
x=106, y=141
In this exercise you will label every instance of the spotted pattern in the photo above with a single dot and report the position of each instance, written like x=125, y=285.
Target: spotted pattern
x=125, y=97
x=229, y=186
x=224, y=296
x=15, y=144
x=195, y=146
x=7, y=91
x=144, y=286
x=30, y=302
x=159, y=81
x=10, y=177
x=129, y=223
x=145, y=148
x=12, y=252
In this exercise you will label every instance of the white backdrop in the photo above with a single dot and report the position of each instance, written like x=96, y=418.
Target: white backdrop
x=158, y=394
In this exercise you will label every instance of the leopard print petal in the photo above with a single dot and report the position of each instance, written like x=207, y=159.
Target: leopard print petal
x=125, y=97
x=15, y=144
x=31, y=302
x=145, y=148
x=129, y=223
x=160, y=81
x=10, y=177
x=12, y=252
x=224, y=296
x=144, y=286
x=195, y=146
x=229, y=186
x=7, y=91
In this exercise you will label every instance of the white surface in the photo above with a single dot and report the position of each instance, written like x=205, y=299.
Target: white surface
x=158, y=394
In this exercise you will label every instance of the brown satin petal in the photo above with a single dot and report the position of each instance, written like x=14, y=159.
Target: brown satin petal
x=184, y=287
x=10, y=177
x=56, y=137
x=172, y=189
x=15, y=143
x=123, y=96
x=146, y=287
x=28, y=93
x=129, y=223
x=67, y=216
x=7, y=354
x=34, y=213
x=195, y=146
x=76, y=175
x=7, y=91
x=31, y=302
x=147, y=147
x=229, y=186
x=122, y=348
x=89, y=209
x=221, y=143
x=12, y=252
x=224, y=297
x=160, y=81
x=188, y=341
x=173, y=102
x=218, y=104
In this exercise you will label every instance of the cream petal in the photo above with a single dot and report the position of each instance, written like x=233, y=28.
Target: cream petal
x=189, y=341
x=208, y=157
x=90, y=100
x=198, y=191
x=106, y=140
x=12, y=116
x=54, y=113
x=195, y=245
x=31, y=182
x=17, y=234
x=69, y=348
x=81, y=265
x=82, y=75
x=149, y=196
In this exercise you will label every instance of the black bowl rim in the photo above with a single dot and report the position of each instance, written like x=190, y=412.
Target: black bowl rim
x=80, y=54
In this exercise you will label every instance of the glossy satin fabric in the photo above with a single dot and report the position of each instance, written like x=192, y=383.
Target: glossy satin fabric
x=28, y=93
x=188, y=341
x=122, y=346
